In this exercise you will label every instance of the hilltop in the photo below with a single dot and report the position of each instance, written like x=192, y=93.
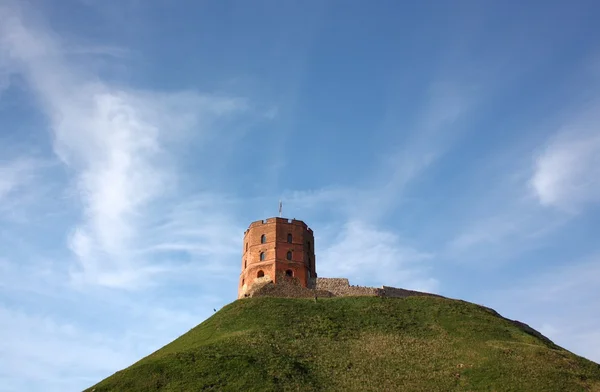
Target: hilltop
x=420, y=343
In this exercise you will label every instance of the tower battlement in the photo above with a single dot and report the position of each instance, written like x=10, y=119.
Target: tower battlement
x=278, y=220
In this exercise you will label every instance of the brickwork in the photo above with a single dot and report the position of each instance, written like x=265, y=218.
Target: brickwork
x=286, y=246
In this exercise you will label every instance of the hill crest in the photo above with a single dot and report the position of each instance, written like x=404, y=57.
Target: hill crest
x=416, y=343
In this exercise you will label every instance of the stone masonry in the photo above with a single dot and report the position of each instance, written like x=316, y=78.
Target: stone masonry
x=329, y=287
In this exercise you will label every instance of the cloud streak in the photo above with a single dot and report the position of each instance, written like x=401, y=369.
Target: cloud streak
x=112, y=139
x=567, y=171
x=368, y=255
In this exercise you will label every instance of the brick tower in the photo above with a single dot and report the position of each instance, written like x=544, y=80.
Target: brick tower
x=277, y=248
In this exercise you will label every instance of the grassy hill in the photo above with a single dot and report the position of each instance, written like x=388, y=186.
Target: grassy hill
x=357, y=344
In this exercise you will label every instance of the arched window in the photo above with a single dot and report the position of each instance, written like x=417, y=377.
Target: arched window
x=262, y=256
x=263, y=239
x=245, y=263
x=290, y=238
x=260, y=274
x=289, y=273
x=246, y=246
x=289, y=255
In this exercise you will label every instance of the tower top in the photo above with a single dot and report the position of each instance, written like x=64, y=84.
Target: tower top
x=294, y=221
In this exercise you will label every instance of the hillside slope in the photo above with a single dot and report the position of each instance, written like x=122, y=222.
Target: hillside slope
x=357, y=344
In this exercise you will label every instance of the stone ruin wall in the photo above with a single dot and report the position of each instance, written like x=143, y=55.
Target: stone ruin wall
x=328, y=287
x=340, y=287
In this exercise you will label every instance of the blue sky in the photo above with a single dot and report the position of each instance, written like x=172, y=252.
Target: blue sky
x=452, y=147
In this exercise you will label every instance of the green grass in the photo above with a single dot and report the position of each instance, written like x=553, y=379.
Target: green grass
x=357, y=344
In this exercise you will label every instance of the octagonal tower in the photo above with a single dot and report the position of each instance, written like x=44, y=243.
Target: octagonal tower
x=277, y=248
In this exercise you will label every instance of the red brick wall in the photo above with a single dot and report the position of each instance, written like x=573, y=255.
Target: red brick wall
x=275, y=249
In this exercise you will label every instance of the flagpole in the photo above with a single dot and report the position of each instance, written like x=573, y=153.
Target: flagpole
x=280, y=205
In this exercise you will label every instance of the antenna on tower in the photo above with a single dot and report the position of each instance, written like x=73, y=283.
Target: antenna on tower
x=280, y=205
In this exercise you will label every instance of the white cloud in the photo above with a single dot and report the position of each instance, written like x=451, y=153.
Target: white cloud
x=567, y=172
x=511, y=216
x=200, y=227
x=113, y=140
x=367, y=255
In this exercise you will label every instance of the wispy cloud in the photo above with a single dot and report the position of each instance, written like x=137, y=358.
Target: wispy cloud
x=536, y=194
x=515, y=220
x=567, y=171
x=436, y=127
x=368, y=255
x=112, y=139
x=353, y=240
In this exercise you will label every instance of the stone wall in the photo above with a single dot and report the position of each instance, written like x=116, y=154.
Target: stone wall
x=328, y=287
x=286, y=290
x=340, y=287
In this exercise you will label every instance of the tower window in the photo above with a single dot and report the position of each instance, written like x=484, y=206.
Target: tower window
x=260, y=274
x=246, y=246
x=242, y=282
x=245, y=263
x=262, y=256
x=289, y=273
x=263, y=239
x=289, y=238
x=289, y=255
